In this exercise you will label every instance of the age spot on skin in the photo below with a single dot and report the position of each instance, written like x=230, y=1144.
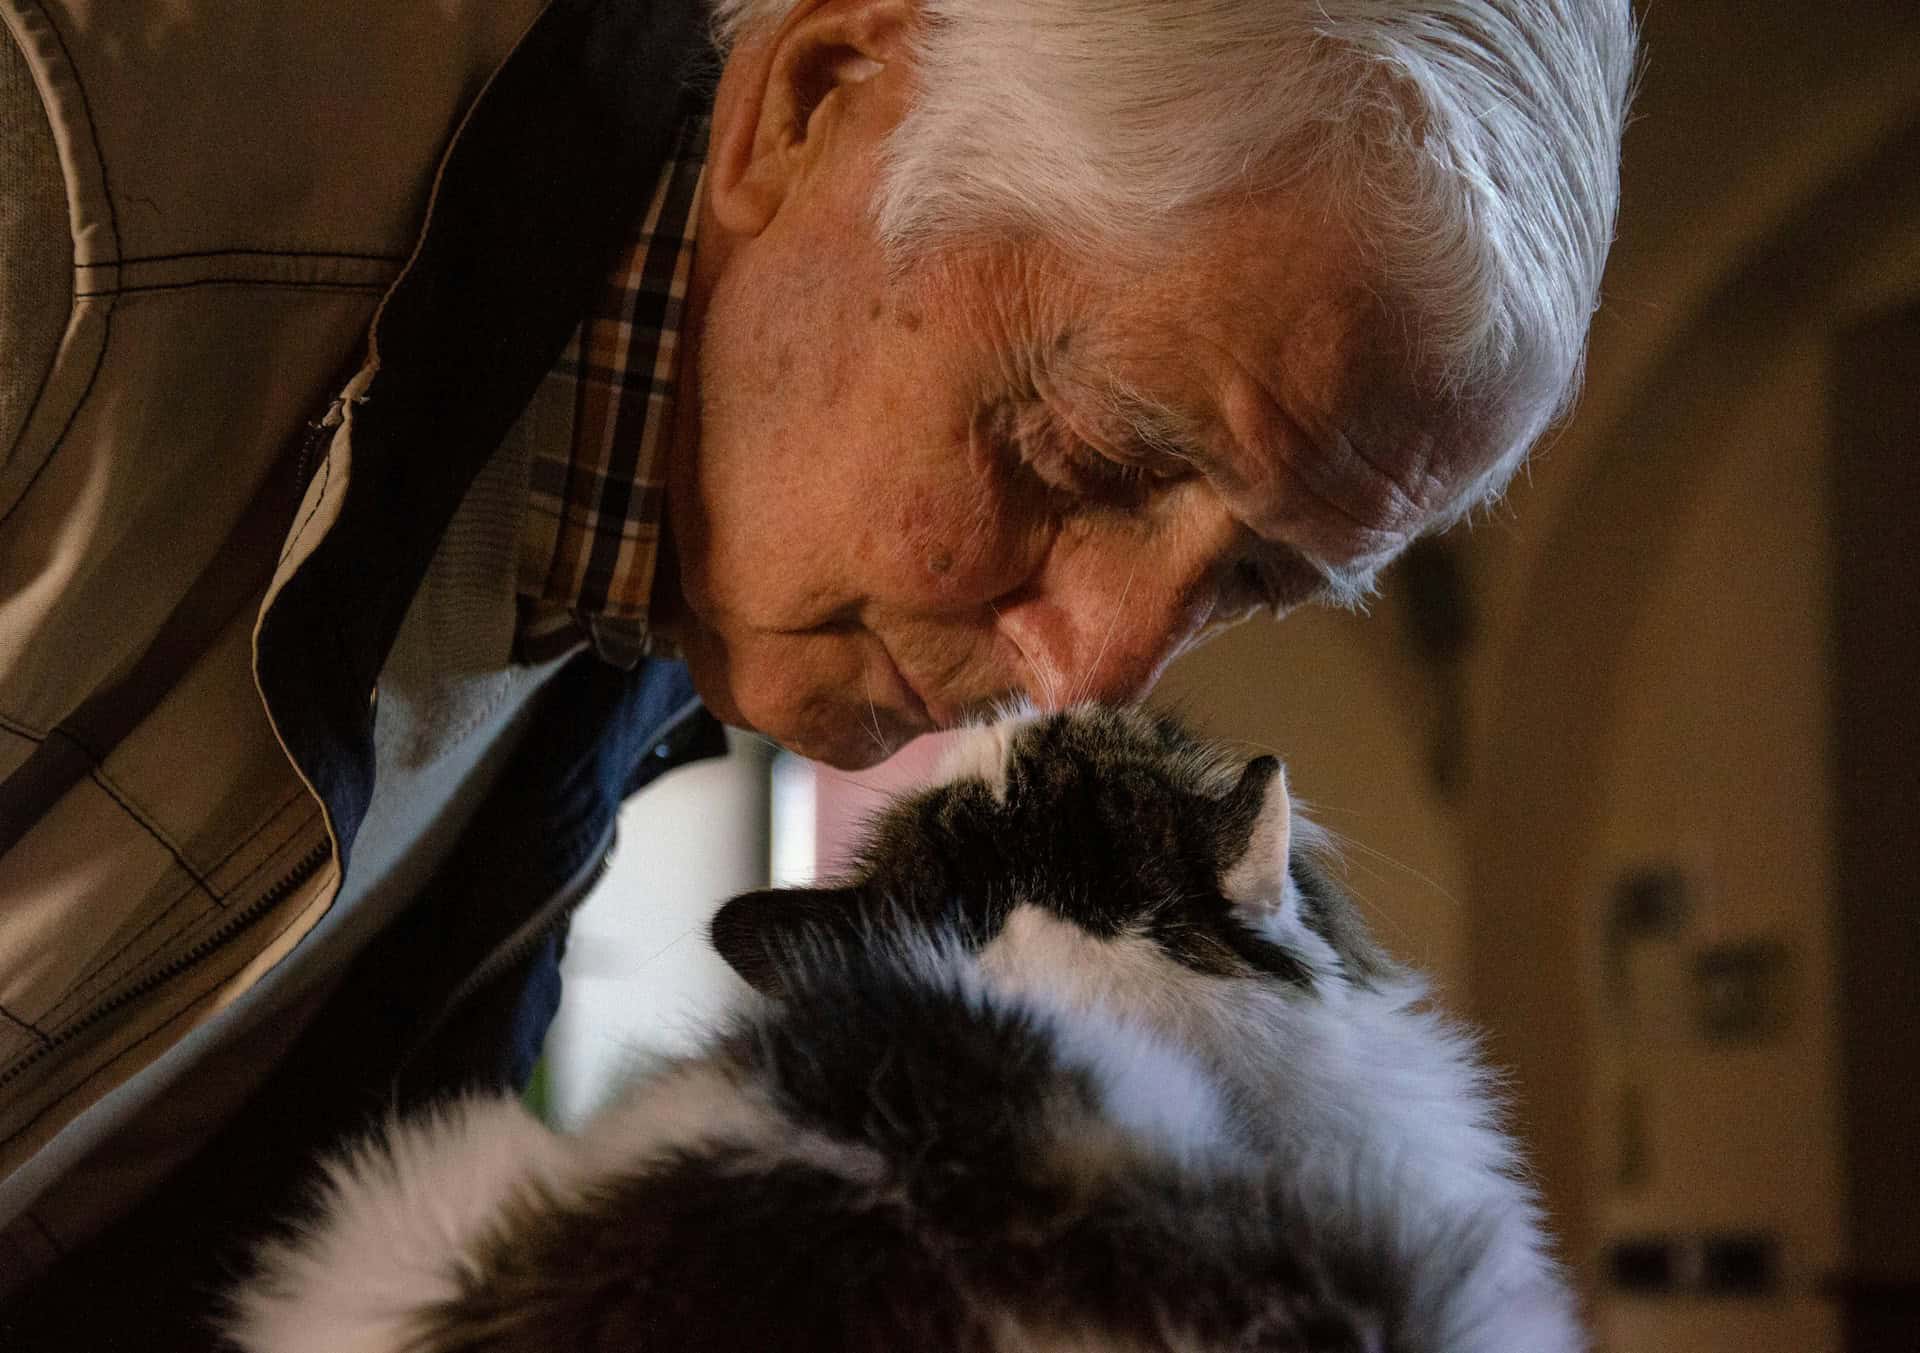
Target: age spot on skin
x=939, y=562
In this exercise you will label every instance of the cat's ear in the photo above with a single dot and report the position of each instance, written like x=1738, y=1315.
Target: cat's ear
x=759, y=934
x=1256, y=832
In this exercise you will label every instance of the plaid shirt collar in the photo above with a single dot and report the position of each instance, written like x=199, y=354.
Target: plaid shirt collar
x=592, y=532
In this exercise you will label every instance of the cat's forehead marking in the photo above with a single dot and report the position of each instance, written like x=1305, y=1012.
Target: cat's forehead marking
x=1041, y=954
x=987, y=751
x=982, y=753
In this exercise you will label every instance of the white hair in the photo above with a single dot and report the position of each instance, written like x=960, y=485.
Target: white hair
x=1473, y=146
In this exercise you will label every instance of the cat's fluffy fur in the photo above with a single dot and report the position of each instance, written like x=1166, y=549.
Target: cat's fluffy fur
x=1087, y=1056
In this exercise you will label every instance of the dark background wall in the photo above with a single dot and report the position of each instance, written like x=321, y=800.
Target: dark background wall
x=1670, y=866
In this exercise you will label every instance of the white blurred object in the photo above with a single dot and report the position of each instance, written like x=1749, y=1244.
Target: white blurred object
x=794, y=821
x=640, y=979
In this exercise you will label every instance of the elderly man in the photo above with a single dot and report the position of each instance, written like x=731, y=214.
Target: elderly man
x=414, y=417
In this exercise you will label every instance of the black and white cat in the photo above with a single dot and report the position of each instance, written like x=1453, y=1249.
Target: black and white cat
x=1086, y=1056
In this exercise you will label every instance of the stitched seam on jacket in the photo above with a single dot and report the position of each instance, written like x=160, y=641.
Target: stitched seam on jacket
x=265, y=283
x=62, y=1096
x=247, y=253
x=140, y=818
x=29, y=1026
x=106, y=311
x=88, y=984
x=26, y=731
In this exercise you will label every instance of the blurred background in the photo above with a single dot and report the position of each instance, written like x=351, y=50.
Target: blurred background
x=1632, y=766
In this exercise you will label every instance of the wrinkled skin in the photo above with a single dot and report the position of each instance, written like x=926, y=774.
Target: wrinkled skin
x=900, y=494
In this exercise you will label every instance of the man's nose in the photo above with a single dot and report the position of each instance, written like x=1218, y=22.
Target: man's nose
x=1074, y=646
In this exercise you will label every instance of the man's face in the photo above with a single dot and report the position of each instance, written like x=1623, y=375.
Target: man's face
x=904, y=496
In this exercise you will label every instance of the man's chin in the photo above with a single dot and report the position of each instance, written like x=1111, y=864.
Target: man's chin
x=843, y=738
x=845, y=735
x=844, y=748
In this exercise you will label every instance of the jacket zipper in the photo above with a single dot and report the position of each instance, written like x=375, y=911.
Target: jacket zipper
x=304, y=869
x=319, y=431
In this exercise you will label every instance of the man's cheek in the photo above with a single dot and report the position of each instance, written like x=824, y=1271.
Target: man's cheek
x=974, y=546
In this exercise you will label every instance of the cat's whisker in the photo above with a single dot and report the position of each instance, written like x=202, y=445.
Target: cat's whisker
x=669, y=946
x=1348, y=847
x=1254, y=747
x=1044, y=675
x=873, y=717
x=1093, y=668
x=1382, y=917
x=859, y=786
x=754, y=735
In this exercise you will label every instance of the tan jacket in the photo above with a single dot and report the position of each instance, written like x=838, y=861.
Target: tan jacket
x=202, y=204
x=309, y=263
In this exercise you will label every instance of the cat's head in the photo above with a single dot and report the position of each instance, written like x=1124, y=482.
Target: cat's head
x=1068, y=839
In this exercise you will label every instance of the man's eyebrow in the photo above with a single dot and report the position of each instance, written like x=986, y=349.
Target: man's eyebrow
x=1161, y=427
x=1173, y=433
x=1347, y=588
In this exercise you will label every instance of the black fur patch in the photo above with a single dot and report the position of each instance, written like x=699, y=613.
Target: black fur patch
x=709, y=1254
x=922, y=1072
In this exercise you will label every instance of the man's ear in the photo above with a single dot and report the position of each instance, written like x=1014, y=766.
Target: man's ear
x=760, y=934
x=784, y=99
